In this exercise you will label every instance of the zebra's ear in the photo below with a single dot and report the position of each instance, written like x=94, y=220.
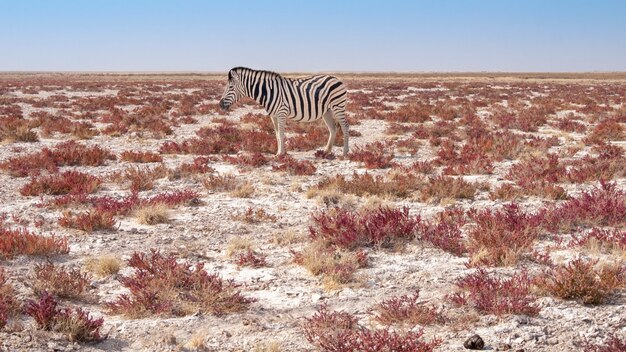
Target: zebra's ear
x=232, y=74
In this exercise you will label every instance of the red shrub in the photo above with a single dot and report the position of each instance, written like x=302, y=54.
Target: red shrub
x=59, y=281
x=198, y=166
x=340, y=331
x=72, y=153
x=374, y=155
x=89, y=221
x=23, y=242
x=348, y=229
x=69, y=182
x=502, y=237
x=140, y=157
x=31, y=164
x=44, y=311
x=258, y=142
x=579, y=280
x=9, y=305
x=444, y=235
x=413, y=112
x=496, y=296
x=161, y=285
x=250, y=258
x=254, y=159
x=293, y=166
x=609, y=238
x=77, y=324
x=406, y=309
x=607, y=130
x=612, y=344
x=602, y=206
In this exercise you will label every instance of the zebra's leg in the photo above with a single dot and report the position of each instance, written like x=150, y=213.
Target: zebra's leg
x=280, y=134
x=275, y=122
x=340, y=116
x=330, y=123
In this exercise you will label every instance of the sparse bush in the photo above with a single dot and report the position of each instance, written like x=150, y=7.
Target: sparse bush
x=340, y=331
x=253, y=159
x=336, y=267
x=22, y=242
x=613, y=343
x=579, y=280
x=71, y=153
x=254, y=216
x=221, y=183
x=603, y=238
x=400, y=186
x=152, y=214
x=88, y=221
x=406, y=310
x=374, y=155
x=69, y=182
x=139, y=179
x=252, y=259
x=140, y=157
x=9, y=304
x=382, y=227
x=59, y=281
x=76, y=324
x=496, y=296
x=294, y=167
x=601, y=206
x=441, y=188
x=103, y=265
x=502, y=237
x=161, y=285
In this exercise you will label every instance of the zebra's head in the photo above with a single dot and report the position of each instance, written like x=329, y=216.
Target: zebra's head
x=234, y=90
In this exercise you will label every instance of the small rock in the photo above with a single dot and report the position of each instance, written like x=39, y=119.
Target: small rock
x=475, y=342
x=503, y=347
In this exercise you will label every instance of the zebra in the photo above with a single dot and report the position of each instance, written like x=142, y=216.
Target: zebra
x=303, y=99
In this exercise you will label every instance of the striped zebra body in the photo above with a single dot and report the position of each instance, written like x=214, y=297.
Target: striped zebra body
x=303, y=99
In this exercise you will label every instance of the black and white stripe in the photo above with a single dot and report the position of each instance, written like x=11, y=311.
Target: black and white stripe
x=302, y=99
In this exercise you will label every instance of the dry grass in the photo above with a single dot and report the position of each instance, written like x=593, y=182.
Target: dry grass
x=337, y=268
x=152, y=214
x=104, y=265
x=244, y=190
x=268, y=346
x=238, y=245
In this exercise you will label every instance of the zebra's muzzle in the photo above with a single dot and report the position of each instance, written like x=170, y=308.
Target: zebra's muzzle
x=224, y=106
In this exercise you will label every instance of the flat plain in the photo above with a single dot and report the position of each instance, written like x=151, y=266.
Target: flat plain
x=136, y=215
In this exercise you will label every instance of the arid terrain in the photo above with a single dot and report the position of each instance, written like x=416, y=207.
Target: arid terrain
x=136, y=215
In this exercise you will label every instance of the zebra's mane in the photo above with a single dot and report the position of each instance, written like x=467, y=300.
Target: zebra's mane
x=241, y=68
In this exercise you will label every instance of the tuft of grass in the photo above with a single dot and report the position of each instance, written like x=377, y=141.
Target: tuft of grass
x=104, y=265
x=336, y=267
x=152, y=214
x=581, y=281
x=9, y=304
x=243, y=190
x=406, y=310
x=441, y=188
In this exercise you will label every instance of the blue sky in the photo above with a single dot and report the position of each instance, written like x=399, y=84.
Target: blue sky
x=436, y=35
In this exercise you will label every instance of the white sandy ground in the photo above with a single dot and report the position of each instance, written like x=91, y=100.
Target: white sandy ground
x=285, y=292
